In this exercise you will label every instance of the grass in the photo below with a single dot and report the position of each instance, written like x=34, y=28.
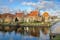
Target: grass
x=35, y=24
x=57, y=37
x=30, y=23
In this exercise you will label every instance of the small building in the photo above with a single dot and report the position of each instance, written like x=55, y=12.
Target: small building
x=45, y=16
x=33, y=16
x=7, y=19
x=20, y=16
x=1, y=20
x=28, y=19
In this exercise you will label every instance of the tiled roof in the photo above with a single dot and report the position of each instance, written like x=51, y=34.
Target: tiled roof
x=45, y=14
x=33, y=13
x=7, y=14
x=0, y=15
x=19, y=14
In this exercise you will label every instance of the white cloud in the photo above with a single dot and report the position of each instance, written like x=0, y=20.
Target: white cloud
x=41, y=4
x=28, y=3
x=44, y=5
x=11, y=1
x=5, y=9
x=29, y=10
x=57, y=13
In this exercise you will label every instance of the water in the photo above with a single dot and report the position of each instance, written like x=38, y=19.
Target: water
x=55, y=28
x=18, y=36
x=15, y=36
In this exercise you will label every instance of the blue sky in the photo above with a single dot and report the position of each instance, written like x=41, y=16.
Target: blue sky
x=51, y=6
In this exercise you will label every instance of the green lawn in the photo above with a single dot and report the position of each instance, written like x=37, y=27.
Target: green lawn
x=35, y=23
x=57, y=37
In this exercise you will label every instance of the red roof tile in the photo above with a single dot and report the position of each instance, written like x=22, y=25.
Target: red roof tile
x=19, y=14
x=33, y=13
x=7, y=14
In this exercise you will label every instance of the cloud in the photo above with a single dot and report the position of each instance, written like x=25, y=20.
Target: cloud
x=11, y=1
x=57, y=12
x=41, y=4
x=5, y=9
x=29, y=10
x=28, y=3
x=53, y=12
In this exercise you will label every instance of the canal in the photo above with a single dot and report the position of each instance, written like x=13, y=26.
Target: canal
x=55, y=29
x=20, y=33
x=24, y=33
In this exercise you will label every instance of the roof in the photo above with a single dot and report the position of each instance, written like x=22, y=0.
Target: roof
x=33, y=13
x=19, y=14
x=45, y=14
x=7, y=14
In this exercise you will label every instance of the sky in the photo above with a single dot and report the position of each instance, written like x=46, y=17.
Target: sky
x=51, y=6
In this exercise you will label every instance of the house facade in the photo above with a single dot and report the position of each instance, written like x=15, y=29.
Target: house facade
x=45, y=16
x=33, y=16
x=20, y=16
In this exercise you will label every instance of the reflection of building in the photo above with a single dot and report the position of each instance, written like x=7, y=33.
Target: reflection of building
x=45, y=16
x=56, y=28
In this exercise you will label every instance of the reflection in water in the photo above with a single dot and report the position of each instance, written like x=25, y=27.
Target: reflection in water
x=15, y=36
x=20, y=33
x=55, y=28
x=12, y=33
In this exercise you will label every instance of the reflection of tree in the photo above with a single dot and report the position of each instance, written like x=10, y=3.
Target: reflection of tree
x=16, y=20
